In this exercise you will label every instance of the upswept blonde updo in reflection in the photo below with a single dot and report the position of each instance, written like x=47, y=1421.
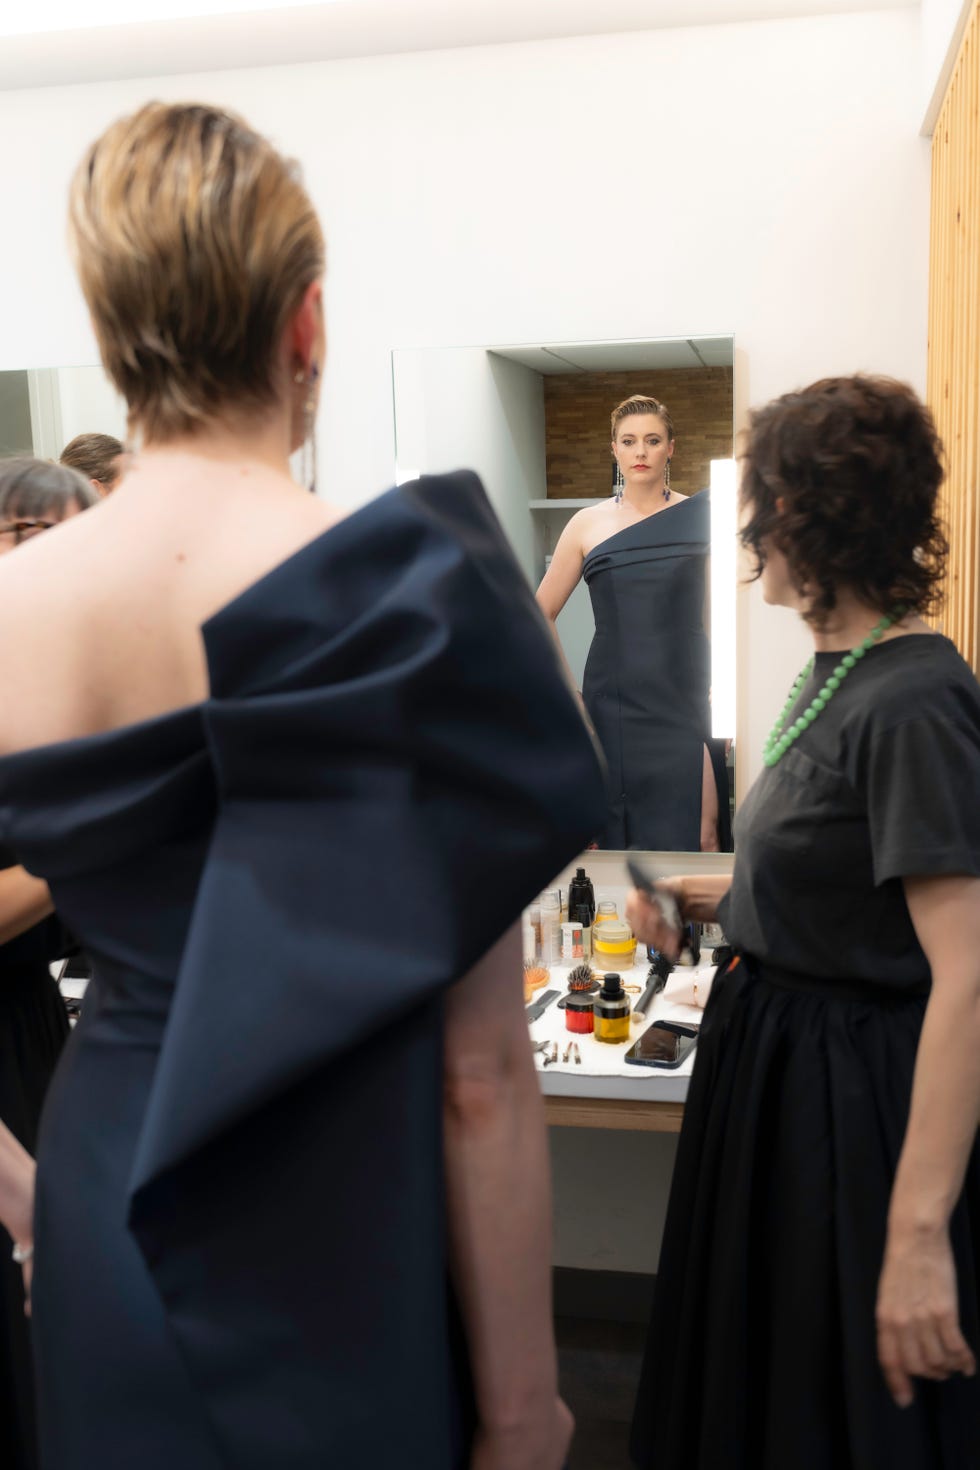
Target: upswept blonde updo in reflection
x=640, y=404
x=195, y=241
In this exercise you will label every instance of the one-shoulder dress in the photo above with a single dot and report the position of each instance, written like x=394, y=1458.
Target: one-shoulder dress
x=762, y=1347
x=647, y=679
x=241, y=1254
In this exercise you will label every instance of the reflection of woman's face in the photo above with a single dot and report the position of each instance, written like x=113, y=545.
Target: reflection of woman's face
x=642, y=449
x=15, y=531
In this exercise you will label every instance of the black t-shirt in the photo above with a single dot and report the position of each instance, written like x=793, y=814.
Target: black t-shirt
x=884, y=784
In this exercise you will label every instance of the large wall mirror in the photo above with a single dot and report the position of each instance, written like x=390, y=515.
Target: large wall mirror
x=43, y=409
x=642, y=553
x=647, y=627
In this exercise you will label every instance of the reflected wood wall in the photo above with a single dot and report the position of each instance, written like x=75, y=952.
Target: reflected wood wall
x=576, y=414
x=953, y=390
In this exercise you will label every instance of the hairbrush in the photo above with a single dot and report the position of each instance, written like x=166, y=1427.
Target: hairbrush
x=581, y=978
x=535, y=976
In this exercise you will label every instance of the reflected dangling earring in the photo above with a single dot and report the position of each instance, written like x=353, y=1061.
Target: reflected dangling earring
x=667, y=480
x=618, y=483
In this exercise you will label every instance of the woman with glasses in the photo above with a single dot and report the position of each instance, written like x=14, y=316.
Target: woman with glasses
x=34, y=497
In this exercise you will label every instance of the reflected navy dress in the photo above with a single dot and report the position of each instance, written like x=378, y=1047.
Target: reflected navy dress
x=647, y=679
x=241, y=1254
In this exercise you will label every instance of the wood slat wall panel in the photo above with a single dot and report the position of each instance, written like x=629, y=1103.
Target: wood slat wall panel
x=953, y=384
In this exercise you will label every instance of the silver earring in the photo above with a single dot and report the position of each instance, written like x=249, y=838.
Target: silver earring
x=618, y=483
x=667, y=480
x=309, y=434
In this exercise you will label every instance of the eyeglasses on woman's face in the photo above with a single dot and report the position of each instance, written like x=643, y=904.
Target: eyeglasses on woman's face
x=13, y=533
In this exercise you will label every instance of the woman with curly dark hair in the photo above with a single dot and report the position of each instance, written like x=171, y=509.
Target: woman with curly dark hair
x=817, y=1296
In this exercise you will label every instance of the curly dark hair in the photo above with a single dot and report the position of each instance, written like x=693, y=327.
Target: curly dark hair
x=843, y=479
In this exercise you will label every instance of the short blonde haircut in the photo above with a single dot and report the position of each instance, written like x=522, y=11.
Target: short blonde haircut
x=194, y=241
x=638, y=403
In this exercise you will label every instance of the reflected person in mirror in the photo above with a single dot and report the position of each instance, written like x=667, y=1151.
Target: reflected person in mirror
x=644, y=555
x=35, y=496
x=818, y=1293
x=99, y=457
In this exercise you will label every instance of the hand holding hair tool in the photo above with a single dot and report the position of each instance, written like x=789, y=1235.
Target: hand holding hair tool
x=660, y=898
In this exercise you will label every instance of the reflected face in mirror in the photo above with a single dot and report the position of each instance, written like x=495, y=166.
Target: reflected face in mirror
x=642, y=450
x=36, y=496
x=18, y=530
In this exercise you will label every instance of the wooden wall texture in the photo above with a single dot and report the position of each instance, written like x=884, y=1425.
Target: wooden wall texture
x=953, y=390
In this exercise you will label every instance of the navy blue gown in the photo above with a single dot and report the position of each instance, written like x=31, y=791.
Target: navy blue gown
x=241, y=1254
x=647, y=679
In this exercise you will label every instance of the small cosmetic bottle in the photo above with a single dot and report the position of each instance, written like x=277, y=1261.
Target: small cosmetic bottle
x=579, y=1014
x=604, y=913
x=550, y=906
x=571, y=943
x=612, y=1010
x=583, y=917
x=581, y=894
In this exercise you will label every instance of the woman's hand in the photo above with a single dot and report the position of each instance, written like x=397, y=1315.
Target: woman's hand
x=538, y=1445
x=19, y=1223
x=647, y=921
x=918, y=1319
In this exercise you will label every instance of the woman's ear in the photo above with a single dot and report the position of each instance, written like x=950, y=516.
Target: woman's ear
x=305, y=330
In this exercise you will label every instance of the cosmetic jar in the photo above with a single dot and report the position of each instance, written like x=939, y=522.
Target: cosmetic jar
x=612, y=1011
x=613, y=945
x=579, y=1015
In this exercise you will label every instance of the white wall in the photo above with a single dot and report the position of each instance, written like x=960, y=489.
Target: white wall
x=471, y=407
x=765, y=179
x=89, y=404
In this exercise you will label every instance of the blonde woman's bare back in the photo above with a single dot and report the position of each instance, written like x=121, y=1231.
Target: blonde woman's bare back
x=106, y=609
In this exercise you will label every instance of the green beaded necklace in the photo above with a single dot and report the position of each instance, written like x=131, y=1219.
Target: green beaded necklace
x=778, y=744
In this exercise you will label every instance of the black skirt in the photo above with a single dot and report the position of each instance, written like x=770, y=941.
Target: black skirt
x=762, y=1347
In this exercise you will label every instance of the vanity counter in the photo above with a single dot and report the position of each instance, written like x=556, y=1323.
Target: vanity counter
x=604, y=1090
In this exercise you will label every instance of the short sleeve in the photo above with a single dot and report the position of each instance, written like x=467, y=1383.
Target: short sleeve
x=923, y=796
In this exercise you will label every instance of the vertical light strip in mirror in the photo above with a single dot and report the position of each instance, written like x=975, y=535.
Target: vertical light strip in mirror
x=723, y=526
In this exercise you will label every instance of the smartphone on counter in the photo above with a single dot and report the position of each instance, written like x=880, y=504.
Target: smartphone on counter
x=664, y=1044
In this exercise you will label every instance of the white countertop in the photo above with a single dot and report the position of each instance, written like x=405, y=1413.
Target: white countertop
x=602, y=1071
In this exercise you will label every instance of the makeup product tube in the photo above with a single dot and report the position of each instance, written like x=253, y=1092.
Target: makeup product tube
x=550, y=927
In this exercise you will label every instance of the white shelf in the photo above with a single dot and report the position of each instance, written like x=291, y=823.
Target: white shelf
x=563, y=504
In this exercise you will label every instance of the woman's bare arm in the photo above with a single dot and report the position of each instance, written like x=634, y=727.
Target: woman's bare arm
x=561, y=579
x=24, y=902
x=918, y=1318
x=500, y=1216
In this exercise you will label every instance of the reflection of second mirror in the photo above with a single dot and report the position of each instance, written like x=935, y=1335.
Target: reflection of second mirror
x=639, y=649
